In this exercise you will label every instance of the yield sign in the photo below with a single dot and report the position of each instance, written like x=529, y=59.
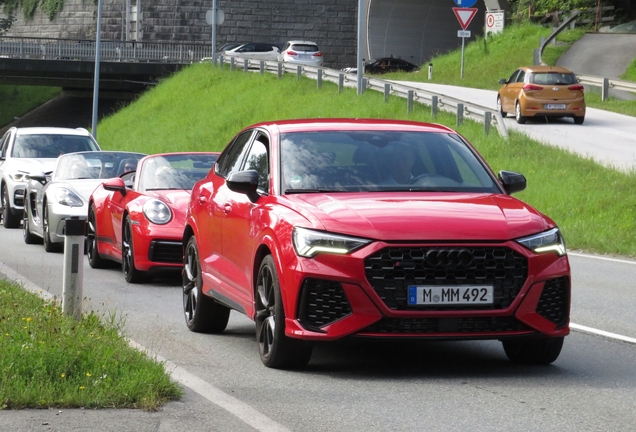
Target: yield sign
x=464, y=16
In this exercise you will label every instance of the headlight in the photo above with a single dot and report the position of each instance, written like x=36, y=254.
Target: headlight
x=18, y=176
x=68, y=198
x=309, y=243
x=157, y=212
x=548, y=241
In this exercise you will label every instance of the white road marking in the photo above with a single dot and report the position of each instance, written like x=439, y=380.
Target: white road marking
x=603, y=333
x=602, y=258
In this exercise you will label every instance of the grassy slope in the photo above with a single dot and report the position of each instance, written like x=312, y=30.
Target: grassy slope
x=202, y=108
x=19, y=100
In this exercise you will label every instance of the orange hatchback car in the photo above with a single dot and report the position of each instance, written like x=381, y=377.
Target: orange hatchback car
x=542, y=91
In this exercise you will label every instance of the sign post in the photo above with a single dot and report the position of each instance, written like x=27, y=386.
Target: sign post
x=464, y=16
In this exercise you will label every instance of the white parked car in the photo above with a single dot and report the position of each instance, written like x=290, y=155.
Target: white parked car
x=33, y=149
x=253, y=50
x=301, y=53
x=52, y=198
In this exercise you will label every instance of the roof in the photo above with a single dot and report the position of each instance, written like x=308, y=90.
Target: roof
x=51, y=131
x=543, y=69
x=339, y=124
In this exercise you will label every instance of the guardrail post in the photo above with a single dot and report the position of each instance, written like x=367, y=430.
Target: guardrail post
x=262, y=67
x=430, y=71
x=299, y=72
x=340, y=82
x=280, y=70
x=409, y=101
x=246, y=63
x=220, y=61
x=487, y=119
x=73, y=273
x=535, y=59
x=605, y=89
x=319, y=78
x=232, y=63
x=365, y=82
x=460, y=113
x=387, y=92
x=434, y=106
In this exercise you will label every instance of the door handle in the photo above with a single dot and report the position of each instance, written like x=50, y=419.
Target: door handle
x=227, y=208
x=201, y=199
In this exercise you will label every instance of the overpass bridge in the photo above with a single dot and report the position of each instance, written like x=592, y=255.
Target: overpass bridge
x=125, y=66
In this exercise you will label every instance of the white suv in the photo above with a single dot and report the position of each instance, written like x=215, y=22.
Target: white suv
x=33, y=149
x=301, y=53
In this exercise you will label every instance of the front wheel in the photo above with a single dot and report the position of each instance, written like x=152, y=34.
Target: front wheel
x=202, y=313
x=29, y=237
x=131, y=273
x=276, y=350
x=94, y=258
x=49, y=245
x=533, y=350
x=521, y=119
x=10, y=220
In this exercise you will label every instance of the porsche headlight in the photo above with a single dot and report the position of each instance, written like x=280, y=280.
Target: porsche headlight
x=67, y=197
x=309, y=243
x=18, y=176
x=157, y=212
x=548, y=241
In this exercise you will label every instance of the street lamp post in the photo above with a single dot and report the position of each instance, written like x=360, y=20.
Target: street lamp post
x=360, y=65
x=96, y=78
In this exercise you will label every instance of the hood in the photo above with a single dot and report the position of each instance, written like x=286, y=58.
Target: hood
x=423, y=216
x=84, y=187
x=32, y=165
x=177, y=199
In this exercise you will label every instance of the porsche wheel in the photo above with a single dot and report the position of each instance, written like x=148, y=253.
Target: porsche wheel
x=202, y=313
x=131, y=273
x=10, y=220
x=29, y=237
x=276, y=350
x=537, y=350
x=94, y=259
x=49, y=245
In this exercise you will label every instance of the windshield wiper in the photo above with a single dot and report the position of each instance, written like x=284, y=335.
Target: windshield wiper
x=295, y=191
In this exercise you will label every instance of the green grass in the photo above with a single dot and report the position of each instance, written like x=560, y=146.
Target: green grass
x=202, y=108
x=49, y=359
x=19, y=100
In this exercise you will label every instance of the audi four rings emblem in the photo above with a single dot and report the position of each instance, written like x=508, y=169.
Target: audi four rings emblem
x=449, y=258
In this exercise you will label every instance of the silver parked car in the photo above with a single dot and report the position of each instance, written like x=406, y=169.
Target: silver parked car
x=301, y=53
x=52, y=198
x=25, y=150
x=253, y=50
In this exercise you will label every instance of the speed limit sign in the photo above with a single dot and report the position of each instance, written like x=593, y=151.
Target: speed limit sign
x=494, y=22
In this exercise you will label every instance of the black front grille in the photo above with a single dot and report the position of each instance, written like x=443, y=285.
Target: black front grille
x=430, y=326
x=390, y=271
x=166, y=251
x=322, y=302
x=555, y=300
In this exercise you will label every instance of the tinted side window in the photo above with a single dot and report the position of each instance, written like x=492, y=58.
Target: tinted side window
x=4, y=142
x=521, y=76
x=513, y=77
x=258, y=161
x=232, y=157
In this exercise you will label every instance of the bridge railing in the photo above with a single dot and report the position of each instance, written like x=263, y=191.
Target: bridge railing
x=114, y=51
x=482, y=114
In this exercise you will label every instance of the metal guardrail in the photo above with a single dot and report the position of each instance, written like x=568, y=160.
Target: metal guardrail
x=113, y=51
x=436, y=101
x=606, y=83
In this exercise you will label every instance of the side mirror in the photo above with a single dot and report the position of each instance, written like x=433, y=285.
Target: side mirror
x=512, y=181
x=503, y=81
x=38, y=176
x=115, y=185
x=245, y=182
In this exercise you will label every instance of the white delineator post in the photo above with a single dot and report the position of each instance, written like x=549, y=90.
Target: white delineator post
x=75, y=233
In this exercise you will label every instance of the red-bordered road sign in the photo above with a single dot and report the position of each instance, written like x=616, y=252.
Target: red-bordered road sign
x=464, y=16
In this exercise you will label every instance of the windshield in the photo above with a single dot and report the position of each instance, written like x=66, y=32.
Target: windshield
x=380, y=161
x=50, y=145
x=95, y=165
x=178, y=171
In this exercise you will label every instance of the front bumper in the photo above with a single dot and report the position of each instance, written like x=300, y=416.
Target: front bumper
x=364, y=294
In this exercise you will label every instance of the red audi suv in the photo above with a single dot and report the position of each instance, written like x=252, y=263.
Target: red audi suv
x=323, y=229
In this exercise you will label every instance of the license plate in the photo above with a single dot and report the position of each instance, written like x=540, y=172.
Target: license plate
x=555, y=106
x=305, y=56
x=450, y=295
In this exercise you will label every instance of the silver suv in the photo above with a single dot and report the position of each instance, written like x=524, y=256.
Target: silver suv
x=33, y=149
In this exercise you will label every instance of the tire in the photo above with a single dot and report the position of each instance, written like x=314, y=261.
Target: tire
x=500, y=108
x=10, y=220
x=29, y=238
x=579, y=120
x=520, y=118
x=537, y=350
x=131, y=274
x=94, y=259
x=202, y=313
x=49, y=246
x=276, y=350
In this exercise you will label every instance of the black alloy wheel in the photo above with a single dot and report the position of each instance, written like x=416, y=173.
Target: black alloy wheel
x=202, y=313
x=276, y=350
x=49, y=246
x=131, y=274
x=29, y=237
x=94, y=259
x=10, y=220
x=533, y=350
